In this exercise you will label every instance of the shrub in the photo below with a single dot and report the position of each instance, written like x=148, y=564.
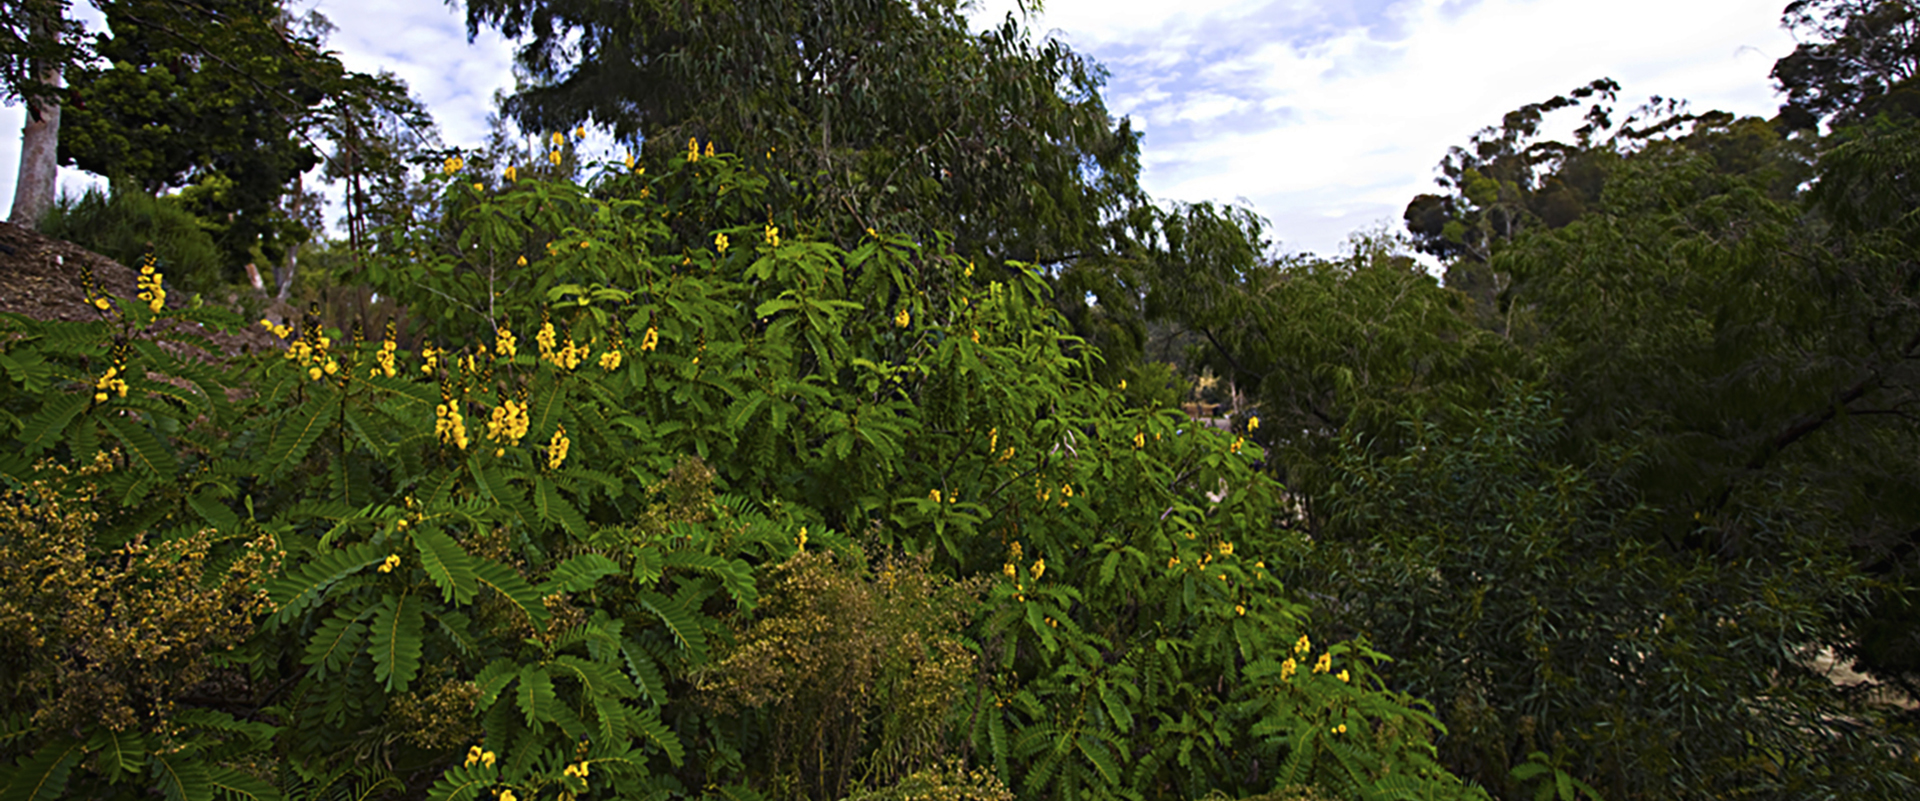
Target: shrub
x=125, y=223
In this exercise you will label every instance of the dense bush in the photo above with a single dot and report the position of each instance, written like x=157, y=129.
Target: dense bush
x=125, y=224
x=610, y=531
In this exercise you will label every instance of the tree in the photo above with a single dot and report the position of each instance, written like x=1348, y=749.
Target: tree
x=1863, y=60
x=38, y=44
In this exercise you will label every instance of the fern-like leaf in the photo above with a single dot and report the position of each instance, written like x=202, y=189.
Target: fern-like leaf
x=300, y=428
x=535, y=695
x=43, y=776
x=293, y=593
x=555, y=508
x=578, y=574
x=504, y=580
x=236, y=786
x=396, y=641
x=336, y=641
x=686, y=630
x=143, y=449
x=181, y=776
x=446, y=563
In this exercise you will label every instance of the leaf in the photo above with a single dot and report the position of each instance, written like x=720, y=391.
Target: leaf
x=121, y=752
x=293, y=593
x=1096, y=752
x=681, y=622
x=578, y=574
x=491, y=680
x=44, y=428
x=446, y=563
x=299, y=429
x=735, y=575
x=236, y=785
x=551, y=506
x=396, y=641
x=504, y=580
x=647, y=722
x=597, y=679
x=645, y=673
x=43, y=776
x=464, y=782
x=214, y=511
x=335, y=642
x=182, y=777
x=142, y=448
x=535, y=696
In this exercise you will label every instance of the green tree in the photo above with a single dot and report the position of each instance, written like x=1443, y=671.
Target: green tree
x=1863, y=59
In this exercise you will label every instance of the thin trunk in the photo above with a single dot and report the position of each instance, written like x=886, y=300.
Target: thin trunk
x=39, y=150
x=285, y=277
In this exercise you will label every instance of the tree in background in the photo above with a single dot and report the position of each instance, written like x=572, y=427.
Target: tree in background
x=1863, y=60
x=38, y=45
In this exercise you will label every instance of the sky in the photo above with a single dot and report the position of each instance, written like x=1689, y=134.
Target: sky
x=1323, y=116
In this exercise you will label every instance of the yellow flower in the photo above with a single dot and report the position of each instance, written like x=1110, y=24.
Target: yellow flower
x=1009, y=569
x=584, y=243
x=976, y=336
x=558, y=139
x=392, y=561
x=580, y=132
x=477, y=187
x=449, y=426
x=487, y=758
x=522, y=261
x=507, y=795
x=557, y=449
x=629, y=160
x=1302, y=645
x=503, y=342
x=553, y=157
x=871, y=233
x=1323, y=664
x=773, y=236
x=509, y=422
x=1226, y=549
x=709, y=148
x=1239, y=609
x=720, y=242
x=101, y=304
x=802, y=539
x=1343, y=674
x=1287, y=669
x=1253, y=423
x=610, y=361
x=1173, y=562
x=903, y=319
x=1139, y=440
x=1039, y=568
x=935, y=495
x=693, y=150
x=651, y=340
x=1238, y=442
x=452, y=165
x=510, y=174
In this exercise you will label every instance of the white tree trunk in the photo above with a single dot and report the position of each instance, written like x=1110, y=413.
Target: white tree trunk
x=39, y=167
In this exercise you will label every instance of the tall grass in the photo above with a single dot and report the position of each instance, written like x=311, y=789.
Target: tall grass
x=124, y=222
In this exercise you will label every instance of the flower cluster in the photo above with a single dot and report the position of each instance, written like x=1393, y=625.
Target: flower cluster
x=475, y=756
x=448, y=421
x=431, y=357
x=773, y=236
x=508, y=423
x=510, y=174
x=392, y=561
x=651, y=340
x=109, y=383
x=311, y=350
x=557, y=449
x=504, y=343
x=452, y=165
x=610, y=361
x=388, y=350
x=149, y=283
x=720, y=243
x=903, y=319
x=281, y=331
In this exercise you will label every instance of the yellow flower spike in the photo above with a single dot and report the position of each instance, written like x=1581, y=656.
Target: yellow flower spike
x=1323, y=664
x=558, y=139
x=801, y=541
x=1238, y=442
x=1009, y=569
x=503, y=342
x=935, y=495
x=693, y=150
x=651, y=340
x=773, y=236
x=720, y=242
x=557, y=449
x=1039, y=568
x=510, y=174
x=993, y=439
x=553, y=158
x=1253, y=423
x=709, y=148
x=1343, y=674
x=1287, y=669
x=629, y=160
x=903, y=319
x=487, y=758
x=1139, y=440
x=1302, y=645
x=610, y=361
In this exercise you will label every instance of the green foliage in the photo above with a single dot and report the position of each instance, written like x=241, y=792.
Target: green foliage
x=605, y=532
x=126, y=224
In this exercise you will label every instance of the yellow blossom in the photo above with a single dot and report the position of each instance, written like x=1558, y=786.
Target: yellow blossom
x=1226, y=549
x=1173, y=562
x=449, y=426
x=1324, y=663
x=553, y=158
x=478, y=187
x=392, y=561
x=903, y=319
x=580, y=132
x=101, y=304
x=1039, y=568
x=773, y=236
x=557, y=449
x=510, y=174
x=693, y=150
x=976, y=336
x=720, y=242
x=1287, y=669
x=801, y=541
x=452, y=165
x=508, y=422
x=651, y=340
x=610, y=361
x=1253, y=423
x=1343, y=674
x=558, y=139
x=1302, y=645
x=503, y=342
x=709, y=148
x=1238, y=442
x=935, y=495
x=629, y=160
x=1239, y=609
x=1139, y=440
x=522, y=261
x=1008, y=569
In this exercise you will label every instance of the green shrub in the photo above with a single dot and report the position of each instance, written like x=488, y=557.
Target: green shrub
x=124, y=223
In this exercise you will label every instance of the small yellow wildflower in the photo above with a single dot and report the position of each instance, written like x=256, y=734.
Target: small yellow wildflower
x=773, y=236
x=1287, y=669
x=507, y=795
x=903, y=319
x=1226, y=549
x=1323, y=664
x=1039, y=568
x=693, y=150
x=580, y=132
x=1009, y=569
x=871, y=233
x=801, y=541
x=510, y=174
x=449, y=426
x=101, y=304
x=651, y=340
x=709, y=148
x=935, y=495
x=629, y=160
x=1253, y=423
x=509, y=422
x=1139, y=440
x=1302, y=645
x=553, y=157
x=720, y=242
x=522, y=261
x=503, y=342
x=1240, y=609
x=610, y=361
x=1238, y=443
x=452, y=165
x=558, y=139
x=557, y=449
x=976, y=336
x=1173, y=562
x=478, y=187
x=392, y=561
x=1343, y=674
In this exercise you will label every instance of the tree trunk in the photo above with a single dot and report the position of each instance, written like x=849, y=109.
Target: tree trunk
x=39, y=149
